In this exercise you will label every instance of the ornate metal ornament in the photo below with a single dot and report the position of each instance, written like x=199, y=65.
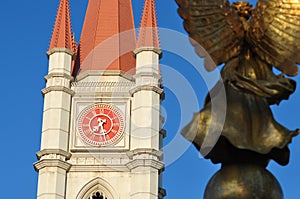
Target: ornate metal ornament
x=249, y=42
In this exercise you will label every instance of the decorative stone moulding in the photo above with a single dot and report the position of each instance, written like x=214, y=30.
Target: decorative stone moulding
x=64, y=75
x=153, y=49
x=147, y=88
x=52, y=163
x=57, y=88
x=105, y=73
x=97, y=184
x=60, y=50
x=60, y=152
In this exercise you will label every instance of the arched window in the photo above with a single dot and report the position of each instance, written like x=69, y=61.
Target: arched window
x=98, y=195
x=97, y=188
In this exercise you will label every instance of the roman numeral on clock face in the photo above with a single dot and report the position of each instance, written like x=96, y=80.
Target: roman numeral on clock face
x=114, y=131
x=101, y=111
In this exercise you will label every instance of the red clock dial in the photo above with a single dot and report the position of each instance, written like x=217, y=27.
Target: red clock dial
x=100, y=125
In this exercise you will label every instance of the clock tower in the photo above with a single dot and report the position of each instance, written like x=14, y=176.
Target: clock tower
x=101, y=134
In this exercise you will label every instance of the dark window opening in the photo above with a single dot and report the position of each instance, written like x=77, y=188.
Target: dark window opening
x=98, y=195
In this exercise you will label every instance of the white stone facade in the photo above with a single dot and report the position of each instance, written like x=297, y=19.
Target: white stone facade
x=129, y=169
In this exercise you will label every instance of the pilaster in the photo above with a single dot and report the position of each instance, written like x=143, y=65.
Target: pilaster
x=52, y=164
x=57, y=100
x=145, y=119
x=146, y=165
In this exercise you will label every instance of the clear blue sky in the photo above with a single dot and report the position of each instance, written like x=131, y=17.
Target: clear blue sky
x=26, y=28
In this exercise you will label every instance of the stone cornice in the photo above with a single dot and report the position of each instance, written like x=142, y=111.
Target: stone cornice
x=108, y=88
x=145, y=163
x=64, y=75
x=105, y=73
x=151, y=74
x=154, y=152
x=43, y=152
x=147, y=88
x=99, y=168
x=105, y=159
x=60, y=50
x=52, y=163
x=57, y=88
x=103, y=84
x=153, y=49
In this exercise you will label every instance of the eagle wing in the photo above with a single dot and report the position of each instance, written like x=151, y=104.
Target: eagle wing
x=215, y=26
x=274, y=33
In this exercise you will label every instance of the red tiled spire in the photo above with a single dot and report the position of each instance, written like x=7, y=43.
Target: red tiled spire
x=148, y=33
x=108, y=37
x=62, y=36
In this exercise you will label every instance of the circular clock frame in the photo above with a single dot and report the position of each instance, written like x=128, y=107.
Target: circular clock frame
x=100, y=125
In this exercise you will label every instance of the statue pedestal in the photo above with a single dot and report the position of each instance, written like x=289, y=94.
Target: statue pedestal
x=243, y=181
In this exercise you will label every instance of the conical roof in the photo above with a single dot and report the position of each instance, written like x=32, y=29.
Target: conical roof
x=108, y=37
x=62, y=36
x=148, y=33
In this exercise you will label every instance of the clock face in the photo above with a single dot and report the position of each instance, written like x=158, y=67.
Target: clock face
x=100, y=125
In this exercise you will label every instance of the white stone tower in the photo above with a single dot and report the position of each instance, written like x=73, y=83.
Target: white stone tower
x=101, y=124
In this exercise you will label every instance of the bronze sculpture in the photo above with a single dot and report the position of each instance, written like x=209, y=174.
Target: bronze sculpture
x=250, y=42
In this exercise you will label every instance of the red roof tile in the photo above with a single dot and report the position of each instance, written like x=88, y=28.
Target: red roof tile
x=62, y=36
x=108, y=37
x=148, y=33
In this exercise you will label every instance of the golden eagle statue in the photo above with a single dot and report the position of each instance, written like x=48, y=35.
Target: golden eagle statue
x=250, y=42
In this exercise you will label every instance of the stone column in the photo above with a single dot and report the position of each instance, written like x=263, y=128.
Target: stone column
x=145, y=165
x=52, y=165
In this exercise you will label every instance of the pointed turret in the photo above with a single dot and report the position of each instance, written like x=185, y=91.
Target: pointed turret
x=148, y=51
x=145, y=114
x=108, y=37
x=148, y=33
x=62, y=36
x=57, y=107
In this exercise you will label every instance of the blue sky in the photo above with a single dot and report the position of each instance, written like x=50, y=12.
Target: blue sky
x=26, y=30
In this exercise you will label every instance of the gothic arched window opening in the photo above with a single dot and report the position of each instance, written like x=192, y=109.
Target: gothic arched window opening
x=98, y=195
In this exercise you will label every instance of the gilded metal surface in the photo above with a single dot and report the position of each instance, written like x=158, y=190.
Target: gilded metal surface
x=243, y=182
x=250, y=42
